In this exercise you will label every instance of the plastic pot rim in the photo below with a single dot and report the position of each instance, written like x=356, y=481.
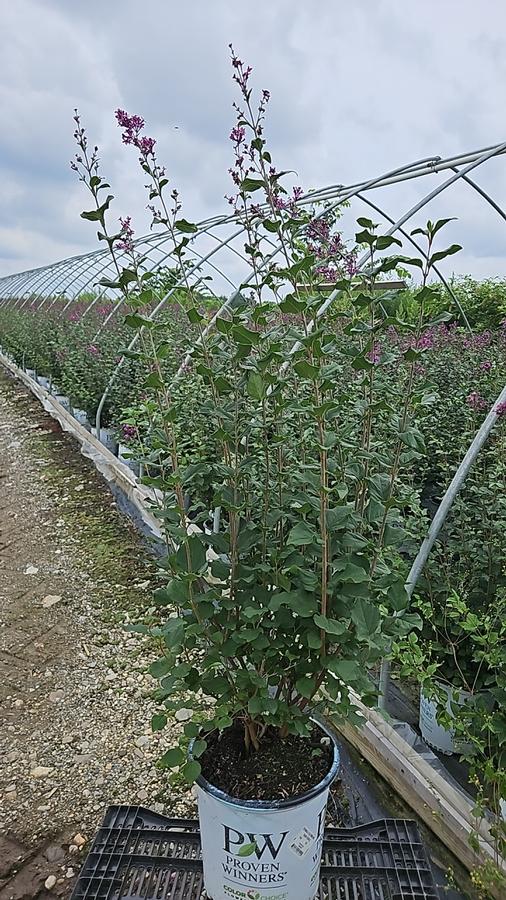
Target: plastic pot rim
x=270, y=805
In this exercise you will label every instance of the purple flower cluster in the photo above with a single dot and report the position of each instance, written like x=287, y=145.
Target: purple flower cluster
x=478, y=341
x=125, y=241
x=92, y=349
x=476, y=401
x=241, y=72
x=500, y=409
x=374, y=355
x=132, y=127
x=128, y=432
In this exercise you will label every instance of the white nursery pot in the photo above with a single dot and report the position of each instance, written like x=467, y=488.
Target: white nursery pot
x=31, y=374
x=108, y=439
x=63, y=401
x=263, y=850
x=82, y=417
x=43, y=381
x=434, y=734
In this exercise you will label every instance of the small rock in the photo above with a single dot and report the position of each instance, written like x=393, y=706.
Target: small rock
x=31, y=570
x=56, y=696
x=10, y=788
x=50, y=600
x=79, y=840
x=79, y=487
x=12, y=756
x=142, y=795
x=11, y=796
x=40, y=771
x=69, y=873
x=50, y=882
x=67, y=738
x=82, y=758
x=54, y=853
x=182, y=715
x=19, y=703
x=141, y=741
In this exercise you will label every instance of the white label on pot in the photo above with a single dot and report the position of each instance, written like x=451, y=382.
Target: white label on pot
x=303, y=842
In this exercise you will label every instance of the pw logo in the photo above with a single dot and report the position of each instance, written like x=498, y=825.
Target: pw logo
x=248, y=844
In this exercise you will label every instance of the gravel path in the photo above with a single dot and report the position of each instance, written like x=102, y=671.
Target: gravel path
x=75, y=699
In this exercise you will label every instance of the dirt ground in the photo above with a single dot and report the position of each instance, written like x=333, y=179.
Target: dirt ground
x=75, y=699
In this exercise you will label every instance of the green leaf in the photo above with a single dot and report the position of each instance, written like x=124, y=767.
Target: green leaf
x=348, y=571
x=198, y=748
x=191, y=729
x=306, y=686
x=366, y=618
x=193, y=315
x=158, y=722
x=442, y=254
x=196, y=551
x=366, y=223
x=300, y=602
x=256, y=387
x=434, y=228
x=301, y=534
x=306, y=370
x=386, y=240
x=330, y=626
x=247, y=849
x=186, y=227
x=154, y=381
x=365, y=237
x=337, y=517
x=348, y=670
x=160, y=667
x=172, y=758
x=248, y=185
x=191, y=771
x=412, y=355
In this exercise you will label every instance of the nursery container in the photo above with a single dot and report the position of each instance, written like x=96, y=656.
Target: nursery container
x=263, y=850
x=63, y=401
x=81, y=416
x=432, y=732
x=31, y=374
x=107, y=438
x=43, y=381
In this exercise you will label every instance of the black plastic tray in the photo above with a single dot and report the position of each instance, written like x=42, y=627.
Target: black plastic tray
x=139, y=855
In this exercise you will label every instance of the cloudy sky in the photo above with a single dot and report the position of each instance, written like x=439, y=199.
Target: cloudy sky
x=357, y=89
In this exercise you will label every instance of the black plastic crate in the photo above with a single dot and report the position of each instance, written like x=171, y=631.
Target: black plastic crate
x=139, y=855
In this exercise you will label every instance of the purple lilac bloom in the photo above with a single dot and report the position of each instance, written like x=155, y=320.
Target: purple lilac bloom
x=486, y=365
x=132, y=127
x=92, y=349
x=237, y=135
x=500, y=409
x=128, y=432
x=476, y=401
x=126, y=235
